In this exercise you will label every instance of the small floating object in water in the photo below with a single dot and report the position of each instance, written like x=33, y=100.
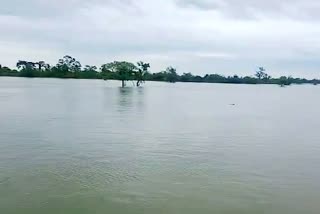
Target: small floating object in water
x=232, y=104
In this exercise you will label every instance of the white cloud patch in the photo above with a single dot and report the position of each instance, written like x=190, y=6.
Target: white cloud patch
x=198, y=36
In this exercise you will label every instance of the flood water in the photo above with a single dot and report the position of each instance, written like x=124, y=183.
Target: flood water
x=90, y=147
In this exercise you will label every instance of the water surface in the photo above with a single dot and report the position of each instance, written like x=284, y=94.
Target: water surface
x=88, y=146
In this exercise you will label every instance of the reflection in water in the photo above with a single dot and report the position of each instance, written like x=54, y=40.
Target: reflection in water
x=131, y=98
x=125, y=99
x=141, y=104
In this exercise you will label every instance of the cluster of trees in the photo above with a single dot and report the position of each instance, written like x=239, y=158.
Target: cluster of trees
x=69, y=67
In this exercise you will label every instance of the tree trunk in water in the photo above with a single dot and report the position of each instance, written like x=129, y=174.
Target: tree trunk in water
x=123, y=84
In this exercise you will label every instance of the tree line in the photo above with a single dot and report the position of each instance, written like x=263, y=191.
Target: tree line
x=69, y=67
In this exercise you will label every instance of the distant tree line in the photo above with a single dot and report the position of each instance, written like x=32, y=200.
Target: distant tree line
x=69, y=67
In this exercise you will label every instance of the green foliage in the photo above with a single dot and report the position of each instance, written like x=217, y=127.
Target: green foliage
x=142, y=72
x=69, y=67
x=68, y=64
x=186, y=77
x=123, y=70
x=285, y=80
x=171, y=75
x=5, y=71
x=25, y=65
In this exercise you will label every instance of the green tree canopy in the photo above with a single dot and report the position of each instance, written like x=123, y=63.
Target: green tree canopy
x=172, y=75
x=69, y=64
x=124, y=70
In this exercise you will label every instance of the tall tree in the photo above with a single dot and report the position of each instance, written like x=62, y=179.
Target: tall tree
x=69, y=64
x=261, y=75
x=172, y=75
x=26, y=68
x=142, y=70
x=21, y=64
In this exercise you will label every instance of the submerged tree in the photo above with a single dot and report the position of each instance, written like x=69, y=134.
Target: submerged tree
x=124, y=71
x=142, y=71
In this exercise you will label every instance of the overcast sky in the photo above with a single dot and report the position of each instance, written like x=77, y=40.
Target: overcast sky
x=198, y=36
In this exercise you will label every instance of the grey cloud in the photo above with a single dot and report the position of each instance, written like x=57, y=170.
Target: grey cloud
x=296, y=9
x=187, y=34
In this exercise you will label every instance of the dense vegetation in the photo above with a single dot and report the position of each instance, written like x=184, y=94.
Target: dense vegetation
x=69, y=67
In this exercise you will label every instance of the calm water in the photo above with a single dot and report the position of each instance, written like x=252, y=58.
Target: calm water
x=88, y=146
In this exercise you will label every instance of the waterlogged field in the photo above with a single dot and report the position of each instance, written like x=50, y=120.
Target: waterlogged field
x=88, y=146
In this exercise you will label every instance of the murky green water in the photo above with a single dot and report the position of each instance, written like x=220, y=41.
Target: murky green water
x=87, y=146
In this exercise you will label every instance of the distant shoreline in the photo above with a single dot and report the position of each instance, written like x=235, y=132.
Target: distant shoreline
x=69, y=68
x=232, y=83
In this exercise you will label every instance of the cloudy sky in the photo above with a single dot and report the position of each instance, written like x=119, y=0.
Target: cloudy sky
x=198, y=36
